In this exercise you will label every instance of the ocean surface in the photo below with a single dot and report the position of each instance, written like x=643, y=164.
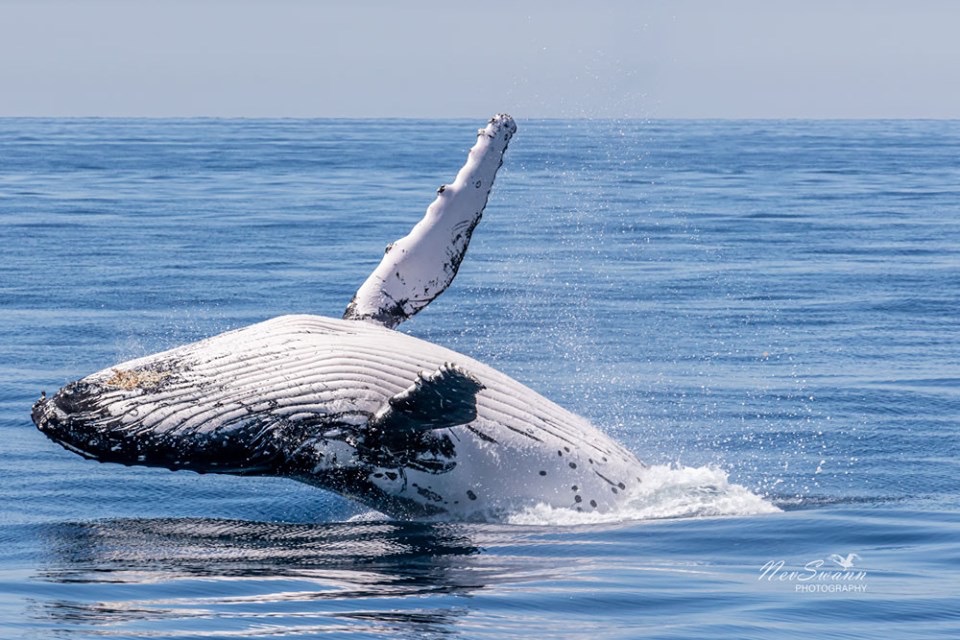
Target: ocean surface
x=768, y=313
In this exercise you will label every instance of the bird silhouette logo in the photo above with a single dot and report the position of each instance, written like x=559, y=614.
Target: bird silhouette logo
x=845, y=562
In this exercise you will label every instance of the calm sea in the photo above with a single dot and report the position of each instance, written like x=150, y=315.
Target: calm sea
x=767, y=312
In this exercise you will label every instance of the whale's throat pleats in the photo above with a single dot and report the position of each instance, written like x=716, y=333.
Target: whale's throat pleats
x=403, y=425
x=142, y=415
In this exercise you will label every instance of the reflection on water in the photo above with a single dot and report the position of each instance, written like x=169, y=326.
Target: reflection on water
x=149, y=576
x=393, y=554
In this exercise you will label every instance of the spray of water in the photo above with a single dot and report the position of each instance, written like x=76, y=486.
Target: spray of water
x=667, y=491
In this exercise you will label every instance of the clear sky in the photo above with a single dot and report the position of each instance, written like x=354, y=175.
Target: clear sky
x=370, y=58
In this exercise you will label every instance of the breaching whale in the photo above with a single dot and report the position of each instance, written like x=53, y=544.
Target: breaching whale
x=351, y=405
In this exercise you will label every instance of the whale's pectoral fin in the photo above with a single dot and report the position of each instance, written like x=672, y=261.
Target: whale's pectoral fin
x=403, y=432
x=420, y=266
x=445, y=398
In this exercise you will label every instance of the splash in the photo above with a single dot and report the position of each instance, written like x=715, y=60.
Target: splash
x=667, y=491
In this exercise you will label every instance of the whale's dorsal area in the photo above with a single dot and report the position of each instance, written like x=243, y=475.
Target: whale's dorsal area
x=420, y=266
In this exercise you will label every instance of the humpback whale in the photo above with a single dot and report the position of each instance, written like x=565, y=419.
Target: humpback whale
x=351, y=405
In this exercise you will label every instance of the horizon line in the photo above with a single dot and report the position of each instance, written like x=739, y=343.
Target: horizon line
x=526, y=118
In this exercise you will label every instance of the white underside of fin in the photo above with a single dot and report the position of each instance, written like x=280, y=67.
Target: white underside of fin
x=420, y=266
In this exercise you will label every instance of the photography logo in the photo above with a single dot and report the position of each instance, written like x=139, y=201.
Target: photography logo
x=834, y=574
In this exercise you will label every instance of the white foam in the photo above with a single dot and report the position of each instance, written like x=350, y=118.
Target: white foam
x=368, y=516
x=667, y=491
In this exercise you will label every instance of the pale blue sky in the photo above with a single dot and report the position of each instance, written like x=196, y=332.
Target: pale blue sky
x=368, y=58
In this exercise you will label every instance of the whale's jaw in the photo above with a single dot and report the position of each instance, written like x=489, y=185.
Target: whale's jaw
x=79, y=419
x=63, y=419
x=73, y=419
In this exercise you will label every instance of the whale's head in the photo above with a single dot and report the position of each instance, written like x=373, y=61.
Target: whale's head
x=134, y=417
x=68, y=418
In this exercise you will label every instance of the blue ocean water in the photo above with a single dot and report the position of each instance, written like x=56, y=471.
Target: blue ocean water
x=767, y=312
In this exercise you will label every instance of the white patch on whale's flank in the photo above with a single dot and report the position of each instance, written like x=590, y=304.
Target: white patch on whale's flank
x=409, y=428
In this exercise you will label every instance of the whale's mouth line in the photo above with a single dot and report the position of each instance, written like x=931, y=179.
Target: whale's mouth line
x=70, y=447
